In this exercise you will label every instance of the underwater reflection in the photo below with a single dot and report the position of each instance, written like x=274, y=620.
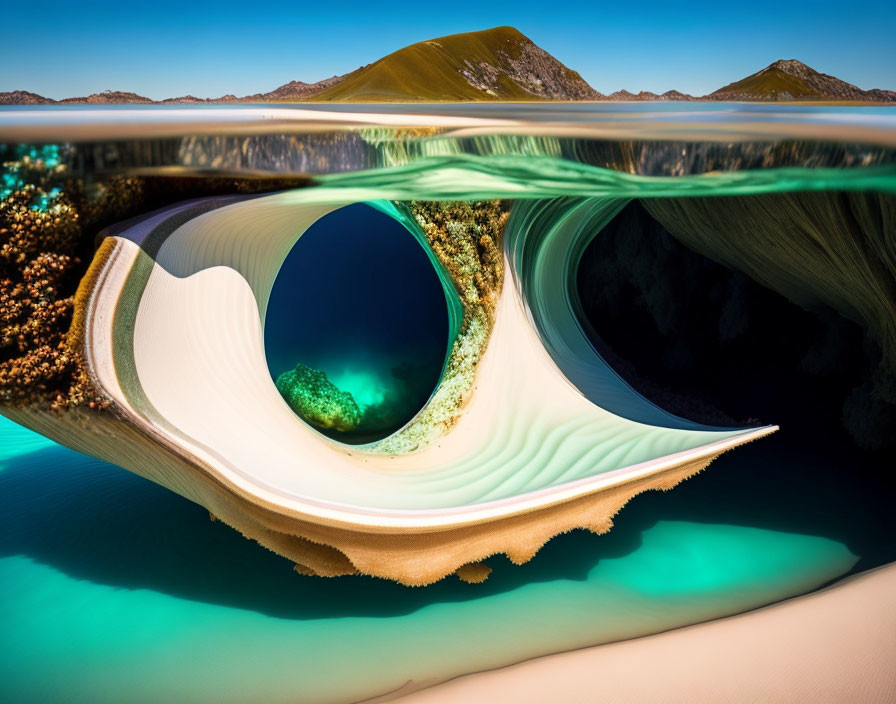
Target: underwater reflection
x=93, y=521
x=122, y=584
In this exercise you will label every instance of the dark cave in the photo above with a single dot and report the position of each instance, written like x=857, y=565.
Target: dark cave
x=710, y=344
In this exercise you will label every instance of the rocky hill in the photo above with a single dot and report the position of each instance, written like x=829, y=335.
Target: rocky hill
x=495, y=64
x=646, y=95
x=789, y=79
x=23, y=97
x=110, y=97
x=292, y=92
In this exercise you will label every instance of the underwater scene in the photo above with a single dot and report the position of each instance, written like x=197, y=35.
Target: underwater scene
x=336, y=403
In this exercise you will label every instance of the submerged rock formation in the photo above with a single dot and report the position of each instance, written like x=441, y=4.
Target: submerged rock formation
x=318, y=400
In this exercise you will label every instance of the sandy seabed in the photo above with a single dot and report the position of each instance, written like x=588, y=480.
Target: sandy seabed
x=834, y=645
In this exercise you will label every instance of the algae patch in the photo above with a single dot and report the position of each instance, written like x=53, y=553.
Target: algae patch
x=318, y=400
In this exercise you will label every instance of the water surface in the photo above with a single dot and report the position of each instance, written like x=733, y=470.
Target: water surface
x=114, y=589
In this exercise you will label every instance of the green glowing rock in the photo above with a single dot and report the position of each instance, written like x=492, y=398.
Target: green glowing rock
x=318, y=400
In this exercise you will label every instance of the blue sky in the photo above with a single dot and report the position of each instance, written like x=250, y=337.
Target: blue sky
x=164, y=49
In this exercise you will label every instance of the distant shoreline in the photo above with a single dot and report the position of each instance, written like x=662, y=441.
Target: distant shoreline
x=497, y=65
x=216, y=103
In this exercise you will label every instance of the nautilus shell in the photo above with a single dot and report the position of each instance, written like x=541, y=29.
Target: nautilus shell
x=528, y=433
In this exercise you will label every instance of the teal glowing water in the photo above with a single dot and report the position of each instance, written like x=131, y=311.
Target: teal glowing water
x=113, y=589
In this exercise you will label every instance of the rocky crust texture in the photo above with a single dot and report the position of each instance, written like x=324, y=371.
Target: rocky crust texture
x=466, y=237
x=535, y=71
x=467, y=240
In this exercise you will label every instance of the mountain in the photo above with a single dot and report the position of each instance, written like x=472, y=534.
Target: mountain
x=647, y=96
x=185, y=100
x=110, y=97
x=23, y=97
x=677, y=95
x=789, y=79
x=495, y=64
x=292, y=92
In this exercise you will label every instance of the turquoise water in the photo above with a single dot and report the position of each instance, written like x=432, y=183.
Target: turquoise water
x=114, y=589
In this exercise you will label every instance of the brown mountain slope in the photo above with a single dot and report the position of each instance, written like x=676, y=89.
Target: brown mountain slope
x=647, y=96
x=293, y=92
x=494, y=64
x=789, y=79
x=23, y=97
x=110, y=97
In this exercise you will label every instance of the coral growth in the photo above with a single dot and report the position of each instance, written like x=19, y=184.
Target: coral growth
x=40, y=267
x=318, y=400
x=466, y=237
